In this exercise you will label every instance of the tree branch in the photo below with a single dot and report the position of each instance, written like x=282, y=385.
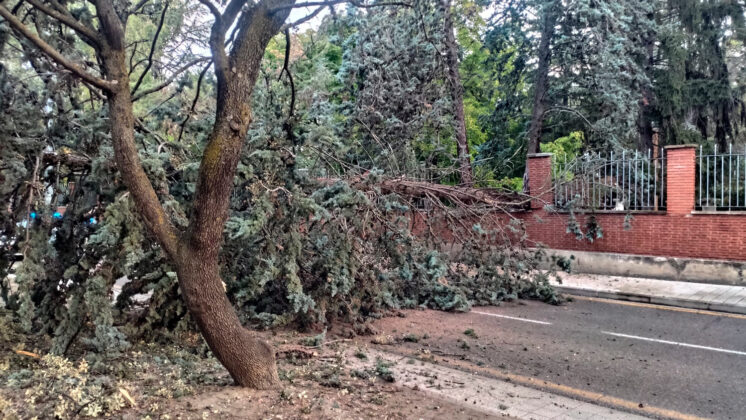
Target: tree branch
x=332, y=2
x=152, y=50
x=137, y=7
x=304, y=19
x=233, y=116
x=231, y=12
x=52, y=53
x=558, y=108
x=111, y=25
x=170, y=79
x=88, y=34
x=213, y=9
x=488, y=197
x=286, y=70
x=122, y=121
x=194, y=101
x=217, y=43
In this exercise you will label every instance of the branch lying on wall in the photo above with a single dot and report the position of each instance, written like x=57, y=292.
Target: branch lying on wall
x=457, y=195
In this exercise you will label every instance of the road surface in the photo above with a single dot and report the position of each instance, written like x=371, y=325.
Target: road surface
x=685, y=363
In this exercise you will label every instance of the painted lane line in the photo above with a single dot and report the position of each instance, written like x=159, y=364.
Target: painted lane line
x=515, y=318
x=676, y=343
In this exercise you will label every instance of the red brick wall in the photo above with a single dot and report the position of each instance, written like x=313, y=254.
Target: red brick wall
x=695, y=236
x=679, y=232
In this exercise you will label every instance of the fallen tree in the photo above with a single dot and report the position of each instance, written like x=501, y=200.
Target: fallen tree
x=225, y=231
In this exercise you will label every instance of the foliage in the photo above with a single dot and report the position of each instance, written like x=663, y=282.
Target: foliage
x=299, y=248
x=61, y=389
x=565, y=148
x=144, y=377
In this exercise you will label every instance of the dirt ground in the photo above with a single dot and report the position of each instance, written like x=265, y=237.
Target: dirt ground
x=325, y=386
x=329, y=377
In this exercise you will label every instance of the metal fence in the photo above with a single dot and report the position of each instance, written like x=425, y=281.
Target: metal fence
x=620, y=181
x=721, y=183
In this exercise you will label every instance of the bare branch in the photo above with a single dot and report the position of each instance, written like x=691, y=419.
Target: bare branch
x=88, y=34
x=217, y=42
x=152, y=49
x=558, y=108
x=303, y=19
x=52, y=53
x=231, y=12
x=333, y=2
x=137, y=7
x=194, y=101
x=170, y=80
x=213, y=9
x=286, y=70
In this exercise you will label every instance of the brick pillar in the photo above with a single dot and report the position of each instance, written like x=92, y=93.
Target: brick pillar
x=540, y=179
x=680, y=179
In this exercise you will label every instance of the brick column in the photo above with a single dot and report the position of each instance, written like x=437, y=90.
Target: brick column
x=540, y=179
x=680, y=179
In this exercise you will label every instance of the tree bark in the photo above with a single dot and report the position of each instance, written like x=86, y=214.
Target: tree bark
x=249, y=361
x=541, y=85
x=457, y=96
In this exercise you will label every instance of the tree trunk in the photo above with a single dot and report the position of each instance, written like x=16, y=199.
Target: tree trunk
x=249, y=361
x=541, y=85
x=644, y=124
x=457, y=96
x=195, y=253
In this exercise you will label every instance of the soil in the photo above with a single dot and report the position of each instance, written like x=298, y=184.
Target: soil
x=357, y=400
x=331, y=380
x=323, y=387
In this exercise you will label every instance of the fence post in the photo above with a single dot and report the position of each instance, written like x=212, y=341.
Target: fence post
x=540, y=179
x=680, y=179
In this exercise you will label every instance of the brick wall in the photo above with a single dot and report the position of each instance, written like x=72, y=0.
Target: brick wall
x=678, y=232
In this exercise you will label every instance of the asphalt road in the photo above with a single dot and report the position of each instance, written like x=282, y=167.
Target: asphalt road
x=690, y=363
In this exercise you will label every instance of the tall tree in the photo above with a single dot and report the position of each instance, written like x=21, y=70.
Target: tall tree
x=698, y=95
x=549, y=14
x=457, y=94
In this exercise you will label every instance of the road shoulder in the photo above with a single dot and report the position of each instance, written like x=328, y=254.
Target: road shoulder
x=713, y=297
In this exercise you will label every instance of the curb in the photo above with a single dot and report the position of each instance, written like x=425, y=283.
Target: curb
x=658, y=300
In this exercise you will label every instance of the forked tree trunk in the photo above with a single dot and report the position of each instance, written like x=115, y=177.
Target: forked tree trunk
x=249, y=361
x=194, y=253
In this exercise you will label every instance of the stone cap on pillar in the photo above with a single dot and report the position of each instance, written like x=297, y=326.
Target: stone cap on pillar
x=539, y=155
x=681, y=146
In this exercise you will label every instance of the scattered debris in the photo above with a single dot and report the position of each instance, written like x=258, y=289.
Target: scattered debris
x=471, y=333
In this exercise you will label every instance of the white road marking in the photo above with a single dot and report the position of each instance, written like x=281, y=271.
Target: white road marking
x=676, y=343
x=513, y=318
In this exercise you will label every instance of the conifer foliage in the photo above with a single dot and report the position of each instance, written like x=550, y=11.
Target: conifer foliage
x=239, y=188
